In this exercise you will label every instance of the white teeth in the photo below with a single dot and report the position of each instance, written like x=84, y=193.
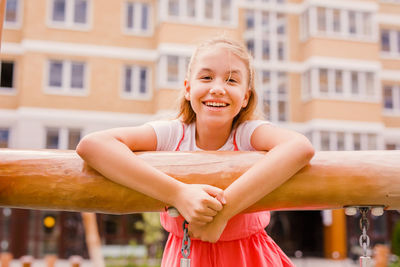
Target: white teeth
x=215, y=104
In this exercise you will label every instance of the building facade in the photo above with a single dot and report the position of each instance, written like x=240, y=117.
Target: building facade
x=328, y=69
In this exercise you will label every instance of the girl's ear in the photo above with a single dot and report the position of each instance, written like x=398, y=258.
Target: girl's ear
x=187, y=90
x=246, y=98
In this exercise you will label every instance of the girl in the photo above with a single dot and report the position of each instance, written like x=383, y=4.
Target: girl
x=216, y=113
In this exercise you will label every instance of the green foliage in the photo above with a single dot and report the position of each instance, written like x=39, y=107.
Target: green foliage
x=395, y=264
x=153, y=233
x=396, y=239
x=151, y=227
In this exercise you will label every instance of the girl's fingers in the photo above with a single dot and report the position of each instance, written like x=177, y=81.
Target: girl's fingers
x=214, y=204
x=216, y=192
x=210, y=212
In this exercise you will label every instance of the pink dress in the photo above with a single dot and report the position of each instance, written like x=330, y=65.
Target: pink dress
x=243, y=243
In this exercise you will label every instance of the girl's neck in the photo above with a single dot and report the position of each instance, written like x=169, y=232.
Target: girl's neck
x=212, y=138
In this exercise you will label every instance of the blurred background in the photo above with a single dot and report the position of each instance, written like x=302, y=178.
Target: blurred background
x=328, y=69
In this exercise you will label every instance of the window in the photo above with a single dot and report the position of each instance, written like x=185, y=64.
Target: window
x=390, y=42
x=209, y=9
x=136, y=82
x=173, y=68
x=275, y=95
x=173, y=8
x=137, y=18
x=340, y=83
x=66, y=77
x=354, y=83
x=339, y=141
x=226, y=6
x=264, y=42
x=69, y=13
x=321, y=14
x=352, y=23
x=11, y=16
x=325, y=141
x=249, y=20
x=391, y=98
x=265, y=50
x=4, y=137
x=356, y=141
x=52, y=138
x=323, y=81
x=334, y=22
x=191, y=8
x=198, y=11
x=62, y=138
x=385, y=40
x=74, y=136
x=6, y=76
x=250, y=46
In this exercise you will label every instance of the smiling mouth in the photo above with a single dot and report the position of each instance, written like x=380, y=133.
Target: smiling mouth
x=215, y=104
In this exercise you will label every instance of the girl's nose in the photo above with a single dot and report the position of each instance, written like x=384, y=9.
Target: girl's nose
x=217, y=89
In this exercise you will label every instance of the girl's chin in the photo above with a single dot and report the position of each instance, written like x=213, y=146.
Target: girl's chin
x=215, y=121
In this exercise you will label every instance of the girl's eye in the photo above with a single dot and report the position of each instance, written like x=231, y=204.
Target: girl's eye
x=206, y=78
x=232, y=80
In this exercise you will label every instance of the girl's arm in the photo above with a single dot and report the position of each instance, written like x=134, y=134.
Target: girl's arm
x=110, y=153
x=288, y=152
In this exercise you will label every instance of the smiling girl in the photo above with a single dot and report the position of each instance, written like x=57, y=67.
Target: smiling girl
x=217, y=112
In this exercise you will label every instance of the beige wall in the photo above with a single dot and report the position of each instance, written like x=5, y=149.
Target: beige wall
x=389, y=8
x=340, y=110
x=191, y=34
x=391, y=121
x=339, y=49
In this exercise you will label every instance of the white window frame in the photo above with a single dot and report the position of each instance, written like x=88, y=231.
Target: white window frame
x=69, y=17
x=7, y=90
x=135, y=83
x=344, y=32
x=258, y=35
x=348, y=139
x=65, y=88
x=18, y=23
x=163, y=72
x=199, y=18
x=274, y=96
x=346, y=94
x=137, y=30
x=63, y=133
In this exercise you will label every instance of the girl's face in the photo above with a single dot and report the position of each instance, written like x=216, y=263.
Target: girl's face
x=218, y=86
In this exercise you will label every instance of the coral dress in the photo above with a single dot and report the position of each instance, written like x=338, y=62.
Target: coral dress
x=244, y=242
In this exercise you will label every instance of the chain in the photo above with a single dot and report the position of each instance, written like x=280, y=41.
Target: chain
x=364, y=225
x=185, y=250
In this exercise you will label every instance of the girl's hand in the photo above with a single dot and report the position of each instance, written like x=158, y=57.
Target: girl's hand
x=210, y=232
x=199, y=203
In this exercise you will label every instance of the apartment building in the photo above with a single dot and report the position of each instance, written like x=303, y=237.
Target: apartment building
x=328, y=69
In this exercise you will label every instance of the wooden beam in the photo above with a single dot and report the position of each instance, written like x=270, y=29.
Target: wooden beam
x=59, y=180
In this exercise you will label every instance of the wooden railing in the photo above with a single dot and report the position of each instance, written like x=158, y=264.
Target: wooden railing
x=60, y=180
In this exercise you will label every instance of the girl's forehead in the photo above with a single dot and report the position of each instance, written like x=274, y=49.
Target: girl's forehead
x=218, y=57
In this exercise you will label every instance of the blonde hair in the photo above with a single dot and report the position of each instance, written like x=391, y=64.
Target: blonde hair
x=187, y=114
